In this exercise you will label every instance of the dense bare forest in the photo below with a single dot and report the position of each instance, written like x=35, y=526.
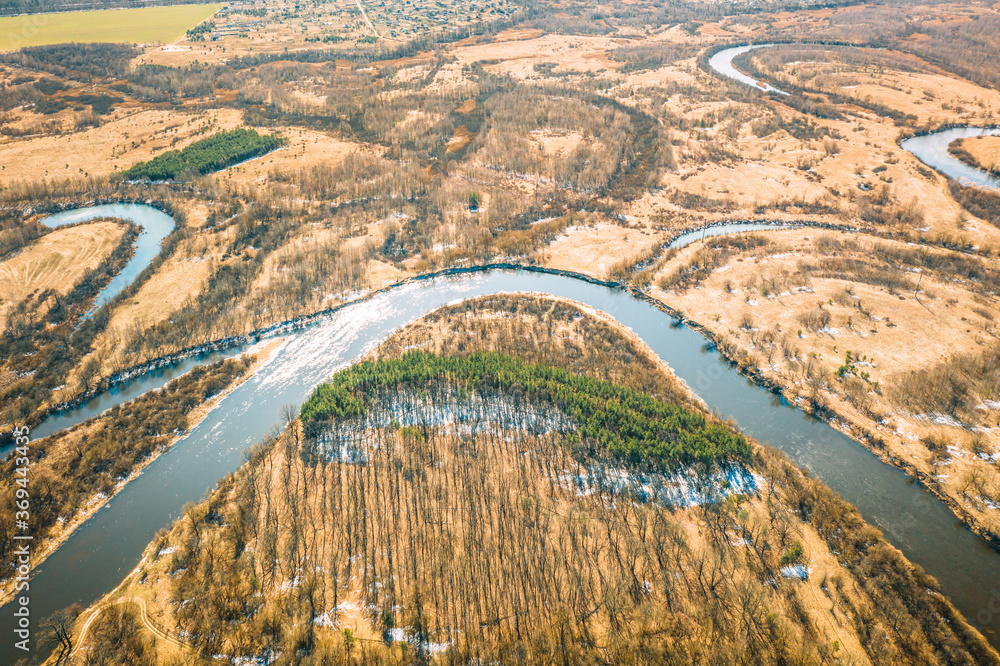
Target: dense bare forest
x=432, y=532
x=568, y=500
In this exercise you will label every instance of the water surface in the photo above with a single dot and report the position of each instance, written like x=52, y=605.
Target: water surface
x=155, y=226
x=124, y=391
x=932, y=150
x=724, y=230
x=109, y=545
x=722, y=62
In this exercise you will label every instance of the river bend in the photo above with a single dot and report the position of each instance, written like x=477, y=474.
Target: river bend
x=109, y=545
x=931, y=149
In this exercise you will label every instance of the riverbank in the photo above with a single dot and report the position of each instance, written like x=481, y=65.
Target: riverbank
x=756, y=331
x=912, y=520
x=981, y=152
x=261, y=355
x=172, y=568
x=834, y=413
x=845, y=418
x=509, y=318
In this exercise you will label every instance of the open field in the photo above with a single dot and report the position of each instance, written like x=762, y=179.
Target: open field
x=520, y=53
x=183, y=278
x=137, y=26
x=304, y=149
x=129, y=136
x=822, y=314
x=56, y=261
x=596, y=248
x=899, y=81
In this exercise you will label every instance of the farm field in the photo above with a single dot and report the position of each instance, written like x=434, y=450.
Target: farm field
x=140, y=26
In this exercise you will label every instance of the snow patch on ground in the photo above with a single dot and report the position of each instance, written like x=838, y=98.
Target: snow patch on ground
x=252, y=661
x=325, y=620
x=799, y=571
x=441, y=408
x=399, y=635
x=683, y=488
x=291, y=584
x=942, y=419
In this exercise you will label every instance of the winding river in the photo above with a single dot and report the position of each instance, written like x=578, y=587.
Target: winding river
x=155, y=224
x=931, y=149
x=154, y=379
x=109, y=545
x=728, y=229
x=722, y=62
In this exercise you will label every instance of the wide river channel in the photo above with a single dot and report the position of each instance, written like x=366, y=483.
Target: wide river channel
x=109, y=545
x=103, y=550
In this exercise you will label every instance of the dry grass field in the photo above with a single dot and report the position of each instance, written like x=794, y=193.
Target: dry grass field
x=985, y=152
x=518, y=53
x=596, y=248
x=801, y=301
x=305, y=149
x=130, y=135
x=56, y=261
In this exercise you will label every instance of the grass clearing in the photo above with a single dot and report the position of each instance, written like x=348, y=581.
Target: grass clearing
x=56, y=261
x=140, y=26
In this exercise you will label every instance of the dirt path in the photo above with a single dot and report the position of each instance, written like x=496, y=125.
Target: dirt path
x=144, y=616
x=365, y=15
